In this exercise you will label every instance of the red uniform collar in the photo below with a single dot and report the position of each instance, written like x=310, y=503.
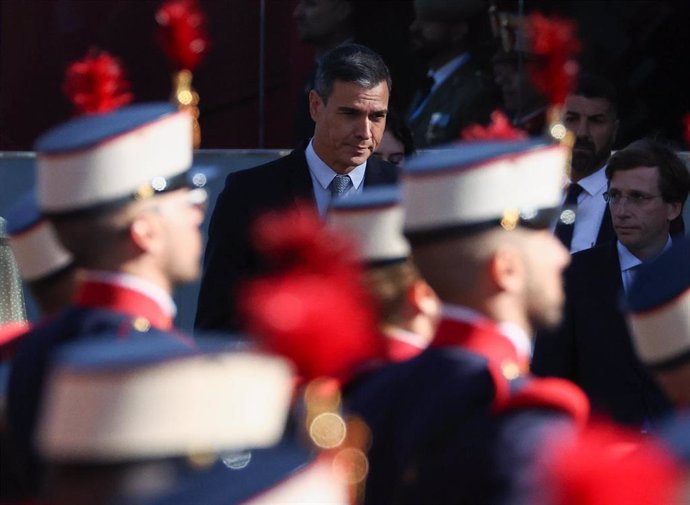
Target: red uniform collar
x=105, y=295
x=484, y=338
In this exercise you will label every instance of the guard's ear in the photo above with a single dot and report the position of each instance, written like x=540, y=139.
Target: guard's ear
x=144, y=232
x=422, y=298
x=507, y=269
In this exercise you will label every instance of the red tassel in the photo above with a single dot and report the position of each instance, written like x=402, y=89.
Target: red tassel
x=499, y=129
x=555, y=46
x=96, y=84
x=686, y=132
x=182, y=33
x=607, y=465
x=313, y=308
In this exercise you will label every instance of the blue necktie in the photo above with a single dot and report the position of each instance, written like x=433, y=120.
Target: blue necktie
x=340, y=184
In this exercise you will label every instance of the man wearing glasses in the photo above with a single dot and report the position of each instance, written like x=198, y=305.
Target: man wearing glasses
x=647, y=187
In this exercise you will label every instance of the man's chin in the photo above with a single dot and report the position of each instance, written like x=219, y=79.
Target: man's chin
x=582, y=164
x=548, y=321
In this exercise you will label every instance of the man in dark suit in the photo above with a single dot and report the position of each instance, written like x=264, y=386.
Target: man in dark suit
x=456, y=93
x=591, y=114
x=647, y=186
x=349, y=106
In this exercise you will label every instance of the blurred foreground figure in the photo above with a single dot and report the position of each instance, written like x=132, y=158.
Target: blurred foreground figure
x=606, y=465
x=11, y=299
x=150, y=421
x=464, y=421
x=407, y=307
x=116, y=187
x=659, y=318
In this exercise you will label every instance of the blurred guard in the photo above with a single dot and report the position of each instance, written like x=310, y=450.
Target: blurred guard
x=463, y=421
x=11, y=300
x=659, y=317
x=407, y=306
x=44, y=264
x=116, y=187
x=48, y=271
x=188, y=425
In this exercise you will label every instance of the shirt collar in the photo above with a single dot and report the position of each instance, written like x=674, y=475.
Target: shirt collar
x=446, y=70
x=517, y=336
x=628, y=260
x=594, y=182
x=325, y=174
x=156, y=293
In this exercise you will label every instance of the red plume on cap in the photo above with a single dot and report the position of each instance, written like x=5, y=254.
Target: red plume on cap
x=312, y=308
x=499, y=129
x=554, y=45
x=182, y=33
x=686, y=131
x=96, y=84
x=607, y=465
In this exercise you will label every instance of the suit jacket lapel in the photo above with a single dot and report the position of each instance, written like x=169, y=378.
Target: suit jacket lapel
x=615, y=264
x=379, y=173
x=606, y=232
x=299, y=178
x=439, y=97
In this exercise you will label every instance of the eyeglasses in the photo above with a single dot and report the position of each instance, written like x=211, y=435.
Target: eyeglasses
x=634, y=198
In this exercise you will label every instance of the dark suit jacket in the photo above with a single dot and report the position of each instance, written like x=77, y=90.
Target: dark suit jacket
x=593, y=347
x=230, y=258
x=466, y=97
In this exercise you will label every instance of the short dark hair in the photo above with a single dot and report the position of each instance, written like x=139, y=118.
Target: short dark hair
x=674, y=177
x=388, y=286
x=596, y=86
x=350, y=63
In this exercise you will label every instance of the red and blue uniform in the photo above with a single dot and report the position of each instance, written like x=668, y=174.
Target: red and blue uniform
x=463, y=421
x=107, y=305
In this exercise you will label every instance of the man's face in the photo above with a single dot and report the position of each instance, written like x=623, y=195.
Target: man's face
x=319, y=20
x=349, y=126
x=640, y=216
x=545, y=259
x=181, y=214
x=594, y=125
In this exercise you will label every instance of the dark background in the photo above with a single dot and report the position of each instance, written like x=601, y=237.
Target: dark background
x=641, y=45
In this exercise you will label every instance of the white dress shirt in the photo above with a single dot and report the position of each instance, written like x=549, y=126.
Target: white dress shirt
x=517, y=336
x=590, y=210
x=322, y=175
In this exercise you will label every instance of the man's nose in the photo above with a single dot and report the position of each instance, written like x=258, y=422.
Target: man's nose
x=582, y=129
x=363, y=129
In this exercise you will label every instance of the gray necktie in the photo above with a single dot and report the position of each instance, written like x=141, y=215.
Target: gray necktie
x=340, y=184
